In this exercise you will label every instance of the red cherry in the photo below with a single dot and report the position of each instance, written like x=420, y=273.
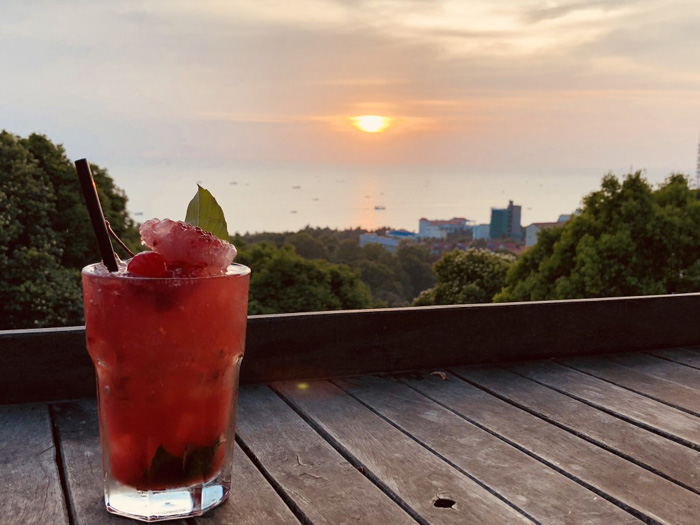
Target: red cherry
x=148, y=264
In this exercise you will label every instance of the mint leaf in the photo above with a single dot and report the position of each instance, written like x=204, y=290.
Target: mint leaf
x=164, y=466
x=196, y=462
x=205, y=212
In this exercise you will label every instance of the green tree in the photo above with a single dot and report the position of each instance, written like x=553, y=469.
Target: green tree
x=416, y=271
x=348, y=252
x=629, y=239
x=45, y=235
x=383, y=281
x=282, y=281
x=308, y=246
x=71, y=220
x=467, y=276
x=383, y=272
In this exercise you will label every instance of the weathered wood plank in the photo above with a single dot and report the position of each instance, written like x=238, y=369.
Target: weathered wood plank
x=619, y=401
x=317, y=481
x=546, y=495
x=686, y=356
x=657, y=367
x=78, y=431
x=674, y=394
x=414, y=474
x=252, y=501
x=672, y=459
x=643, y=492
x=31, y=486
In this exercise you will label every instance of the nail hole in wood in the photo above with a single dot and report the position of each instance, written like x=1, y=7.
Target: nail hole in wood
x=444, y=503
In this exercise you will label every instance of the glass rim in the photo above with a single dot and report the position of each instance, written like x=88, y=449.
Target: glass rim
x=232, y=270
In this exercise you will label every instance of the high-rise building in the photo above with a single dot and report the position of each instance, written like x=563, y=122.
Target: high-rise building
x=505, y=222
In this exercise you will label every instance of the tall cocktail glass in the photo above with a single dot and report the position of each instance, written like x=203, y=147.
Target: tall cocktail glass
x=167, y=354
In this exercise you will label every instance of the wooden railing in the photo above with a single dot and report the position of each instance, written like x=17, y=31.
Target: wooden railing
x=51, y=364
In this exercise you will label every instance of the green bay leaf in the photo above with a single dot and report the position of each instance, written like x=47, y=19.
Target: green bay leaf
x=203, y=211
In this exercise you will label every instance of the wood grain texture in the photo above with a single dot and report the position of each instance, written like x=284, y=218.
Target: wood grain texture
x=661, y=368
x=619, y=401
x=674, y=460
x=646, y=493
x=31, y=487
x=416, y=475
x=78, y=431
x=546, y=495
x=315, y=478
x=686, y=356
x=252, y=501
x=674, y=394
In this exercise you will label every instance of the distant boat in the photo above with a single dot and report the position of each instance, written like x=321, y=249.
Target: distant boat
x=296, y=187
x=233, y=182
x=315, y=198
x=378, y=207
x=293, y=211
x=138, y=213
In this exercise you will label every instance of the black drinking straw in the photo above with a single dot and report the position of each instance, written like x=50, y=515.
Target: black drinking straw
x=97, y=218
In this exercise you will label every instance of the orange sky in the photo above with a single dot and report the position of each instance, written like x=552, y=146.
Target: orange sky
x=506, y=85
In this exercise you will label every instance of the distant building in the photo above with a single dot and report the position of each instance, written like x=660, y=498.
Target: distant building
x=390, y=241
x=481, y=231
x=534, y=229
x=505, y=222
x=372, y=238
x=439, y=229
x=402, y=235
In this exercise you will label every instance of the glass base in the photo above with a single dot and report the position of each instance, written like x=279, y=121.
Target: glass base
x=159, y=505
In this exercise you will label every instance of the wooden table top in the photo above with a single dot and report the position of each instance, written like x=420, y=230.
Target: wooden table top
x=598, y=440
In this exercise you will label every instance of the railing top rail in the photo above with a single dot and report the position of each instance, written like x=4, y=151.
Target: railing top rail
x=52, y=363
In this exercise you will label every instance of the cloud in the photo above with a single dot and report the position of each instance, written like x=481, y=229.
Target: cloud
x=246, y=80
x=558, y=10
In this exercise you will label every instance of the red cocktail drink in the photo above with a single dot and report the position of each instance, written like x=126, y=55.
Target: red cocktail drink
x=167, y=354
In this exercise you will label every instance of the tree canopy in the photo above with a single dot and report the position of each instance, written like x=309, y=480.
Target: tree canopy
x=45, y=232
x=394, y=279
x=467, y=276
x=629, y=239
x=283, y=281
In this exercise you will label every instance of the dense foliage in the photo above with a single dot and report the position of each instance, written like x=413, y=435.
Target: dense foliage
x=467, y=276
x=282, y=281
x=45, y=233
x=394, y=279
x=629, y=239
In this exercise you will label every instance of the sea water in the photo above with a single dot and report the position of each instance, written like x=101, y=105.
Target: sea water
x=288, y=198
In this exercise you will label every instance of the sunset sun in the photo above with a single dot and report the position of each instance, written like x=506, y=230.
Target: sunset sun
x=371, y=123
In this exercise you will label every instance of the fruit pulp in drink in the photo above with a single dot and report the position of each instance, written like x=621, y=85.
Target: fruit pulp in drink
x=167, y=354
